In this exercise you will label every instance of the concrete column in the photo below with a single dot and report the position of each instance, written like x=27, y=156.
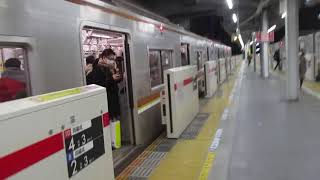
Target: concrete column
x=246, y=52
x=254, y=52
x=265, y=45
x=292, y=33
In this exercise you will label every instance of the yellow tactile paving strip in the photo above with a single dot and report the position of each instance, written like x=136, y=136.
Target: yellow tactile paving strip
x=188, y=159
x=312, y=85
x=124, y=175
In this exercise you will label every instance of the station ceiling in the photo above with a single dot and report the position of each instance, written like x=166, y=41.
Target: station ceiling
x=248, y=11
x=180, y=11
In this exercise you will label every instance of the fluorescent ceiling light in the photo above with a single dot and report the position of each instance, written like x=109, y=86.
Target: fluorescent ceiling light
x=230, y=4
x=235, y=38
x=234, y=17
x=272, y=28
x=284, y=15
x=257, y=44
x=101, y=35
x=251, y=43
x=258, y=50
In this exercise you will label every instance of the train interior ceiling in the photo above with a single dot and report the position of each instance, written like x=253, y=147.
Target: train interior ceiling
x=94, y=41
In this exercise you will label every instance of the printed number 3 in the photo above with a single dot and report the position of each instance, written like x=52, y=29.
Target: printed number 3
x=74, y=166
x=86, y=161
x=84, y=141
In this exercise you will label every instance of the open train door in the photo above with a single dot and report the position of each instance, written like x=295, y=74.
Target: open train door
x=120, y=100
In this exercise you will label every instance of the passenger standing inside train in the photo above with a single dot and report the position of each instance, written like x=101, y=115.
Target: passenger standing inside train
x=104, y=74
x=302, y=67
x=89, y=64
x=120, y=69
x=112, y=79
x=119, y=61
x=13, y=81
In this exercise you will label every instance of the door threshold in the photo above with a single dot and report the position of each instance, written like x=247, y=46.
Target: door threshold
x=125, y=158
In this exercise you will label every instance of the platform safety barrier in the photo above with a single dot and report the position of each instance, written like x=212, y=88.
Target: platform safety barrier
x=211, y=77
x=59, y=135
x=181, y=99
x=222, y=70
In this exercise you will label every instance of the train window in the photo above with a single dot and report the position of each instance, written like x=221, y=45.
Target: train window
x=185, y=55
x=13, y=74
x=212, y=53
x=155, y=68
x=166, y=60
x=199, y=60
x=204, y=57
x=159, y=61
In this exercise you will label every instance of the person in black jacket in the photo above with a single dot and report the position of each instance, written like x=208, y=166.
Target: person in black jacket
x=276, y=57
x=104, y=74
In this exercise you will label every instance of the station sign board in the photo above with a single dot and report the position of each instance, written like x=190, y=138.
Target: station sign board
x=84, y=144
x=265, y=37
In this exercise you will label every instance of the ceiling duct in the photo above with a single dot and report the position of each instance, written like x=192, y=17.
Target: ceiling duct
x=262, y=4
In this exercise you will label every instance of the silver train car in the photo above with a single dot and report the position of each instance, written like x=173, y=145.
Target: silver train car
x=53, y=38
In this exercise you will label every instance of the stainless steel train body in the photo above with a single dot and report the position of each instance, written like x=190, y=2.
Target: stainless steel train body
x=49, y=32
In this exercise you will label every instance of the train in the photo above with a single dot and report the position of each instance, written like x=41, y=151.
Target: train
x=53, y=38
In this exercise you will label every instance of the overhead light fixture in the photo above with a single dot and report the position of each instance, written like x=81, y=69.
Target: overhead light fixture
x=230, y=4
x=251, y=43
x=235, y=38
x=234, y=17
x=272, y=28
x=100, y=35
x=257, y=44
x=258, y=50
x=284, y=15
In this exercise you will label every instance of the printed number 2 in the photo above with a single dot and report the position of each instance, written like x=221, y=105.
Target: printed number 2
x=74, y=166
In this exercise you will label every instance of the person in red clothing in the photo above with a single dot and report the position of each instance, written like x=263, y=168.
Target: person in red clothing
x=12, y=82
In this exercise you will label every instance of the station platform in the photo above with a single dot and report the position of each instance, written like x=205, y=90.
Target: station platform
x=188, y=157
x=249, y=131
x=274, y=138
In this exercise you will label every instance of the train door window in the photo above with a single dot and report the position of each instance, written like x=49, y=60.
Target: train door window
x=159, y=61
x=199, y=59
x=155, y=68
x=212, y=53
x=112, y=72
x=14, y=81
x=166, y=60
x=185, y=59
x=204, y=57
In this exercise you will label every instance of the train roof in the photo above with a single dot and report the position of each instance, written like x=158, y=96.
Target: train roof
x=136, y=13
